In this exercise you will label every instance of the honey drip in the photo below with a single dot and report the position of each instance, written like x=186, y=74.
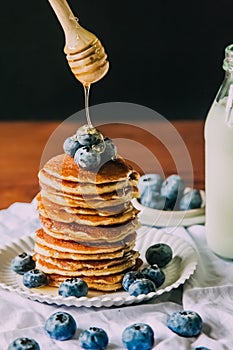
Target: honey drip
x=87, y=111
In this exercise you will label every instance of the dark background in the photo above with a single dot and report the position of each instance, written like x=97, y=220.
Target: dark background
x=164, y=54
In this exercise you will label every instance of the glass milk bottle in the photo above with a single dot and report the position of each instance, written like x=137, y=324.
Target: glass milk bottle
x=219, y=166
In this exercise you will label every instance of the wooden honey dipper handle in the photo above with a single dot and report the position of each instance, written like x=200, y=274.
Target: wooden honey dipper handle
x=77, y=38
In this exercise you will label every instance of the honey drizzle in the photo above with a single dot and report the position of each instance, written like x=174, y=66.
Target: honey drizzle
x=86, y=95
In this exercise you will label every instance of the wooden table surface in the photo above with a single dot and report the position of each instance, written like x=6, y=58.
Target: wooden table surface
x=150, y=146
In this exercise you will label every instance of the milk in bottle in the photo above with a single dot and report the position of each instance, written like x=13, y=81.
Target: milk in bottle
x=219, y=166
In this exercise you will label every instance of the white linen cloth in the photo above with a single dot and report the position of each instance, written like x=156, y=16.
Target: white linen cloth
x=209, y=292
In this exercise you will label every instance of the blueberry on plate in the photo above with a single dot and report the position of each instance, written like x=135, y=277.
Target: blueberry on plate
x=172, y=189
x=159, y=254
x=60, y=326
x=93, y=338
x=129, y=278
x=185, y=323
x=141, y=286
x=139, y=336
x=190, y=200
x=152, y=199
x=87, y=158
x=155, y=274
x=24, y=344
x=22, y=263
x=76, y=287
x=71, y=145
x=149, y=182
x=35, y=278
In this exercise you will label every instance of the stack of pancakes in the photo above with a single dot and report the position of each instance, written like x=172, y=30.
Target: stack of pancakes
x=88, y=222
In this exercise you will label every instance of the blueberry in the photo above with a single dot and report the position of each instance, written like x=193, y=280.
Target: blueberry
x=60, y=326
x=152, y=199
x=139, y=336
x=88, y=136
x=24, y=344
x=172, y=189
x=87, y=158
x=22, y=263
x=76, y=287
x=93, y=338
x=129, y=278
x=190, y=200
x=150, y=182
x=159, y=254
x=201, y=348
x=35, y=278
x=109, y=150
x=141, y=286
x=185, y=323
x=71, y=145
x=154, y=274
x=88, y=139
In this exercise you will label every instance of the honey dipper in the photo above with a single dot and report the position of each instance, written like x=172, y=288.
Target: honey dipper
x=84, y=51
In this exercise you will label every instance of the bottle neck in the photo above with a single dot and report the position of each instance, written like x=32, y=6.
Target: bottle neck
x=227, y=84
x=228, y=60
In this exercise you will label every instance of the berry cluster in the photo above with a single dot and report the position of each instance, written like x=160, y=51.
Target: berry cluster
x=89, y=148
x=167, y=194
x=152, y=276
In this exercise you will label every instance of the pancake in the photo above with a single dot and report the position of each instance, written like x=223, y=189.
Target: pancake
x=108, y=283
x=87, y=201
x=108, y=211
x=49, y=251
x=64, y=167
x=65, y=246
x=82, y=188
x=100, y=283
x=83, y=265
x=57, y=214
x=73, y=269
x=88, y=234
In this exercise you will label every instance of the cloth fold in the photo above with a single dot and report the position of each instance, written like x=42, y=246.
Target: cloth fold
x=209, y=292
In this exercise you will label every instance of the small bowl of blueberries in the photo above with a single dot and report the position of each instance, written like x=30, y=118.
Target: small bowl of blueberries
x=169, y=202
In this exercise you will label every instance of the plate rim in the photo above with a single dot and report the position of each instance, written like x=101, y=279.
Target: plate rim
x=105, y=300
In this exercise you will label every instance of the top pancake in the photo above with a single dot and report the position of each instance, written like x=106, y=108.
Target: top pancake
x=64, y=167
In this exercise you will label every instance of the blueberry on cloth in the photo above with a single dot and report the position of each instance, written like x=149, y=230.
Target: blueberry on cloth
x=139, y=336
x=155, y=274
x=87, y=158
x=60, y=326
x=141, y=286
x=24, y=344
x=71, y=145
x=190, y=200
x=152, y=199
x=159, y=254
x=185, y=323
x=22, y=263
x=129, y=278
x=149, y=182
x=172, y=188
x=93, y=338
x=35, y=278
x=76, y=287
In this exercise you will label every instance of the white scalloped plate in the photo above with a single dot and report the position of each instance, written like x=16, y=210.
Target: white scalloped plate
x=177, y=272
